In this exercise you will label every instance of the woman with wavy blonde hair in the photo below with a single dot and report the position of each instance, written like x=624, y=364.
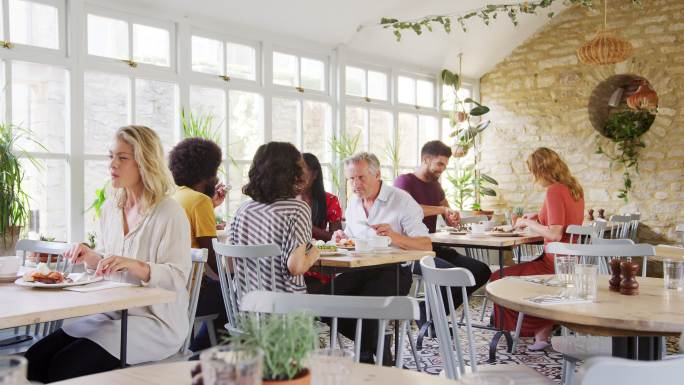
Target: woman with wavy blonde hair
x=563, y=206
x=144, y=240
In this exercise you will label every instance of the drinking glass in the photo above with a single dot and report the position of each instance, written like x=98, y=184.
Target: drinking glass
x=673, y=274
x=13, y=370
x=330, y=366
x=565, y=269
x=226, y=365
x=586, y=281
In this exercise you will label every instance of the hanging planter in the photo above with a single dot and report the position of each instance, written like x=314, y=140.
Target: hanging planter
x=645, y=98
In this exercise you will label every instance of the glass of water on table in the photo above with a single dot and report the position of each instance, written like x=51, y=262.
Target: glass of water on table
x=565, y=269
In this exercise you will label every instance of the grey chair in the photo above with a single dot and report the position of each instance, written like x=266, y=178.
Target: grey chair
x=610, y=370
x=680, y=229
x=232, y=262
x=199, y=259
x=617, y=248
x=624, y=226
x=382, y=309
x=450, y=346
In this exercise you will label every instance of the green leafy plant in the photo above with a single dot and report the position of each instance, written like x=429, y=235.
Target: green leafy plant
x=392, y=155
x=202, y=126
x=625, y=128
x=285, y=340
x=98, y=202
x=469, y=185
x=343, y=147
x=486, y=14
x=46, y=238
x=518, y=211
x=14, y=202
x=92, y=240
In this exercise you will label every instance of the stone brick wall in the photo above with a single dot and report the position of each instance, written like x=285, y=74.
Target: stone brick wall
x=539, y=95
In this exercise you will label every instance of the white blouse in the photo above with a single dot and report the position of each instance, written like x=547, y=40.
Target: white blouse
x=162, y=239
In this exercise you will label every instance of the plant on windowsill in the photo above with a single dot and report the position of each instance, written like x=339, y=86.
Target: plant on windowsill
x=202, y=126
x=392, y=155
x=285, y=341
x=14, y=201
x=341, y=147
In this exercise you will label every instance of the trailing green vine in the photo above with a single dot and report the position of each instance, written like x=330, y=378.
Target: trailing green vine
x=486, y=14
x=625, y=128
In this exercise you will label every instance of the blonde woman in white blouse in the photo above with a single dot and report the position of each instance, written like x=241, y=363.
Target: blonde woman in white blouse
x=145, y=233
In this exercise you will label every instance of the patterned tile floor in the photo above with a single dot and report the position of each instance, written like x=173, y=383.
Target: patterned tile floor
x=547, y=363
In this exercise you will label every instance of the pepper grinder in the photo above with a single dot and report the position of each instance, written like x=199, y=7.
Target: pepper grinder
x=601, y=213
x=615, y=271
x=591, y=214
x=629, y=284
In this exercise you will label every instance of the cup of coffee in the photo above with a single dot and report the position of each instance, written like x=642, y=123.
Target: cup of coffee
x=362, y=244
x=478, y=228
x=10, y=265
x=380, y=242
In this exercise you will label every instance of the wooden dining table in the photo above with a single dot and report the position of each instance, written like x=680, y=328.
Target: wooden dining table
x=20, y=306
x=497, y=242
x=642, y=318
x=178, y=373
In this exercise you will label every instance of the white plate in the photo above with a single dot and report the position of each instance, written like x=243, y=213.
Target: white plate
x=40, y=285
x=8, y=278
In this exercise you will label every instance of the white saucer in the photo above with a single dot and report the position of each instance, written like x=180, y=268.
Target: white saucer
x=7, y=278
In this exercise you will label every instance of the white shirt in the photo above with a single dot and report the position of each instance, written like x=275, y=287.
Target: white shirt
x=393, y=206
x=162, y=239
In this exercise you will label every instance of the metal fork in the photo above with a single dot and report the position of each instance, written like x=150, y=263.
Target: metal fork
x=67, y=266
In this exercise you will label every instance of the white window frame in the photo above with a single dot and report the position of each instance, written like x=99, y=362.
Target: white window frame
x=27, y=49
x=224, y=39
x=366, y=68
x=130, y=19
x=299, y=54
x=436, y=86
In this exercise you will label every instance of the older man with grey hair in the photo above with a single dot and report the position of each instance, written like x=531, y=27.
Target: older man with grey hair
x=377, y=209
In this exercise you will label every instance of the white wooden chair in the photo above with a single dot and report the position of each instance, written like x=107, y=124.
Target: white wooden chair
x=624, y=226
x=199, y=260
x=232, y=262
x=616, y=248
x=35, y=332
x=610, y=370
x=382, y=309
x=450, y=343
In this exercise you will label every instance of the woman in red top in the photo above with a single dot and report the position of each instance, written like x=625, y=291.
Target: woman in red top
x=563, y=206
x=326, y=213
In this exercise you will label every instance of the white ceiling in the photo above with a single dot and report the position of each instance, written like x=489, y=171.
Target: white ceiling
x=336, y=22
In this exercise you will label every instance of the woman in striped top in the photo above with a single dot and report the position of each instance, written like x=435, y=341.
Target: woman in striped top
x=274, y=215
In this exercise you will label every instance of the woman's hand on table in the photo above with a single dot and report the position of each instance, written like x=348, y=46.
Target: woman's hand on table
x=115, y=263
x=338, y=236
x=523, y=223
x=80, y=253
x=532, y=216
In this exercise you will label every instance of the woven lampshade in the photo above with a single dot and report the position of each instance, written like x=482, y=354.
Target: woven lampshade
x=604, y=48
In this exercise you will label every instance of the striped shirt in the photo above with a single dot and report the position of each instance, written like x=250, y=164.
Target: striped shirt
x=286, y=223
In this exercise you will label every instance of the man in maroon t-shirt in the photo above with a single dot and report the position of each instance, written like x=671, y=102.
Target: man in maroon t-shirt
x=424, y=187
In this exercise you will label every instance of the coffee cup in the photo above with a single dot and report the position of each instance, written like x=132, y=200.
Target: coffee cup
x=10, y=265
x=478, y=228
x=362, y=244
x=380, y=242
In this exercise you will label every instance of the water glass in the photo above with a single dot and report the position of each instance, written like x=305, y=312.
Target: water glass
x=225, y=365
x=673, y=274
x=13, y=370
x=565, y=269
x=586, y=281
x=330, y=366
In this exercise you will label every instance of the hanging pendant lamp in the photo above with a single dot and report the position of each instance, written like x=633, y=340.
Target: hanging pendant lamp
x=604, y=48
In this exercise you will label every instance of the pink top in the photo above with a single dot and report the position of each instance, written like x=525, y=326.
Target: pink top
x=560, y=208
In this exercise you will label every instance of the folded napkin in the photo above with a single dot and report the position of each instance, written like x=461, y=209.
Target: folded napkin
x=555, y=299
x=95, y=286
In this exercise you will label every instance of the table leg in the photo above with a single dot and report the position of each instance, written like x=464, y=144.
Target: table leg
x=505, y=333
x=332, y=292
x=124, y=332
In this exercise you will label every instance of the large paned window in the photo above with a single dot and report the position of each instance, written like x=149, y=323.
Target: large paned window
x=227, y=59
x=301, y=72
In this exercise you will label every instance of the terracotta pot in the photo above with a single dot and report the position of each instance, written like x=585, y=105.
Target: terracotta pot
x=459, y=151
x=303, y=378
x=514, y=218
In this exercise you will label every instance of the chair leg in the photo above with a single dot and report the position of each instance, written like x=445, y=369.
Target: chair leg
x=212, y=333
x=414, y=351
x=516, y=335
x=484, y=309
x=568, y=372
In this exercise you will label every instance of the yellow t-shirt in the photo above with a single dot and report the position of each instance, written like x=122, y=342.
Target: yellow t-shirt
x=200, y=212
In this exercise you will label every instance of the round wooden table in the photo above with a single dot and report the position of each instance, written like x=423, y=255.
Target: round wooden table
x=178, y=373
x=654, y=312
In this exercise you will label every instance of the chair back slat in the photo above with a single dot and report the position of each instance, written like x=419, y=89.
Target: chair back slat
x=449, y=343
x=625, y=226
x=25, y=246
x=359, y=308
x=680, y=229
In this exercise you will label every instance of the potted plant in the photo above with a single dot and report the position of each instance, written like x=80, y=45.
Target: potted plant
x=469, y=186
x=14, y=202
x=285, y=341
x=341, y=147
x=517, y=213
